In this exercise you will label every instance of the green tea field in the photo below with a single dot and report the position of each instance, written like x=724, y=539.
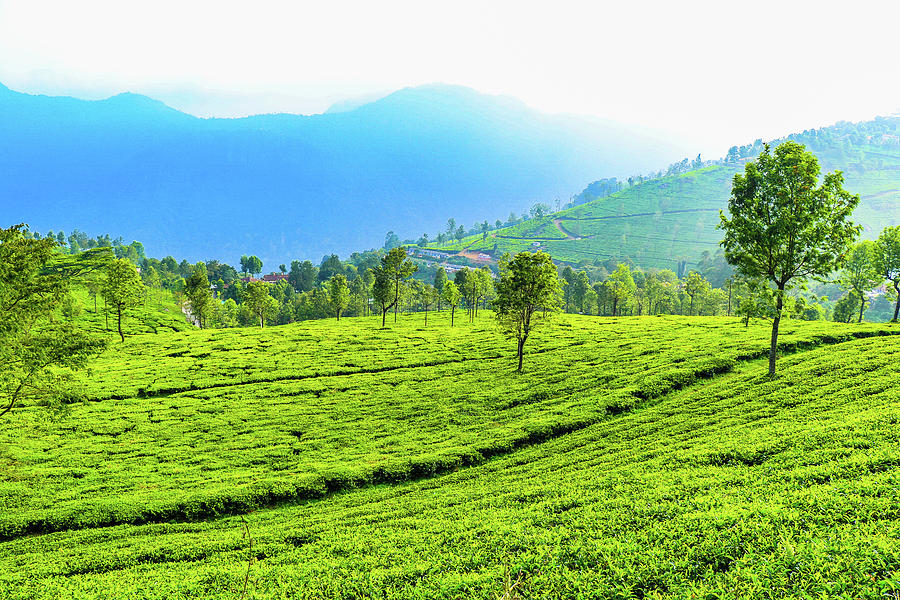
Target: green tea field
x=640, y=457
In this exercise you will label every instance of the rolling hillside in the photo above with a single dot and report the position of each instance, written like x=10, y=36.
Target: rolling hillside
x=290, y=186
x=660, y=222
x=641, y=457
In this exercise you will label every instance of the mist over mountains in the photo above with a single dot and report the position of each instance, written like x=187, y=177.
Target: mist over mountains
x=289, y=186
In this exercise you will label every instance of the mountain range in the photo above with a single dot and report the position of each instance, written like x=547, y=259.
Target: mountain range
x=285, y=186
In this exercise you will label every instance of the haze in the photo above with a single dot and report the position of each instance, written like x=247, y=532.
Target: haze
x=710, y=73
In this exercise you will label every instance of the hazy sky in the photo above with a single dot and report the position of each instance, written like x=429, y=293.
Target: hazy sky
x=713, y=73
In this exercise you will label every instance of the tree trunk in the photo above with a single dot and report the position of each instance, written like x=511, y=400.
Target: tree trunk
x=615, y=305
x=862, y=306
x=692, y=307
x=521, y=346
x=897, y=306
x=106, y=313
x=121, y=335
x=262, y=322
x=452, y=312
x=426, y=316
x=729, y=298
x=383, y=317
x=773, y=348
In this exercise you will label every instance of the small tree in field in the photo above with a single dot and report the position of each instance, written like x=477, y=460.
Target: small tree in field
x=196, y=288
x=390, y=276
x=338, y=294
x=528, y=293
x=861, y=272
x=889, y=261
x=451, y=296
x=783, y=226
x=122, y=288
x=257, y=298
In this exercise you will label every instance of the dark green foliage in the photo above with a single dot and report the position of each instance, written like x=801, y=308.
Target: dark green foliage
x=783, y=225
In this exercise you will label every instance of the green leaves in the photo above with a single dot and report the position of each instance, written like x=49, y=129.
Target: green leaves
x=781, y=223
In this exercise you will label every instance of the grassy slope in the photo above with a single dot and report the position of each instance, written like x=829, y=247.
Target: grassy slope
x=674, y=218
x=160, y=313
x=733, y=484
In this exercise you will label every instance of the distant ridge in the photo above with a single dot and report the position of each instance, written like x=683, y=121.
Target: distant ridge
x=293, y=186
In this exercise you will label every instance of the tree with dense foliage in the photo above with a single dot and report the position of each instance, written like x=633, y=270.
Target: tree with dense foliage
x=889, y=261
x=581, y=285
x=338, y=294
x=122, y=288
x=440, y=280
x=695, y=286
x=845, y=308
x=451, y=295
x=36, y=350
x=861, y=272
x=257, y=298
x=196, y=288
x=390, y=276
x=528, y=293
x=330, y=266
x=254, y=265
x=621, y=286
x=783, y=226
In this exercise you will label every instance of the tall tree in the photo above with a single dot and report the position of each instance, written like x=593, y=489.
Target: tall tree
x=36, y=350
x=254, y=265
x=862, y=272
x=440, y=280
x=452, y=296
x=331, y=266
x=122, y=288
x=889, y=260
x=784, y=226
x=196, y=288
x=528, y=293
x=695, y=286
x=390, y=276
x=257, y=298
x=338, y=294
x=621, y=286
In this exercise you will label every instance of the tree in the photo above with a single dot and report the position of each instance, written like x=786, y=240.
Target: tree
x=440, y=280
x=484, y=230
x=330, y=266
x=889, y=261
x=257, y=298
x=528, y=293
x=303, y=275
x=122, y=288
x=695, y=287
x=783, y=226
x=251, y=264
x=568, y=285
x=196, y=288
x=338, y=294
x=451, y=296
x=36, y=350
x=582, y=286
x=282, y=268
x=395, y=268
x=391, y=240
x=845, y=309
x=861, y=272
x=621, y=286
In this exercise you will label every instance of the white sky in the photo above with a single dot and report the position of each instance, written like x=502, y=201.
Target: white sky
x=712, y=73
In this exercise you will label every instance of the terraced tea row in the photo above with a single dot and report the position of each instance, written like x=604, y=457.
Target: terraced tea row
x=307, y=416
x=734, y=488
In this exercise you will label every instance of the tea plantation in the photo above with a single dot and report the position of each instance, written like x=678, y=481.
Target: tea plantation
x=645, y=457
